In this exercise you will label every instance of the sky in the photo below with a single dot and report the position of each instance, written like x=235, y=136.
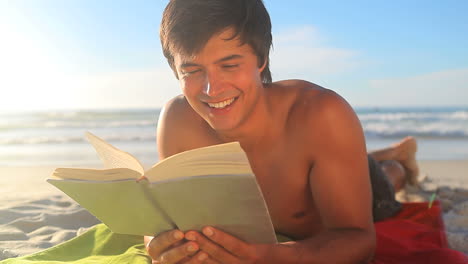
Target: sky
x=87, y=54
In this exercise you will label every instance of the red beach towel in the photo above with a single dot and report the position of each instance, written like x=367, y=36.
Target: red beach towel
x=415, y=235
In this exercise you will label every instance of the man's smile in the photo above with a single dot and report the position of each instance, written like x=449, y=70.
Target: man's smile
x=222, y=104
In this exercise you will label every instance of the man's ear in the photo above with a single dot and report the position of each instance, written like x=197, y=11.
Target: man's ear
x=264, y=65
x=176, y=75
x=174, y=70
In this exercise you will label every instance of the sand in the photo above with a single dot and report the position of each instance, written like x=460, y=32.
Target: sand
x=34, y=215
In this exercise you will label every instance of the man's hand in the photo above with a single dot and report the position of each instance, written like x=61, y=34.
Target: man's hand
x=170, y=247
x=219, y=247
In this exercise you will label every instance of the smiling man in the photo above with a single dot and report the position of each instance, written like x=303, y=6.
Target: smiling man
x=304, y=142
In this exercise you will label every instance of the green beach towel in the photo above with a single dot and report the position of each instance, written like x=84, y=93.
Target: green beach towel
x=97, y=245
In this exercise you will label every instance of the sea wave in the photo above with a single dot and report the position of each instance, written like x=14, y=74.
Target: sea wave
x=435, y=123
x=414, y=116
x=79, y=119
x=61, y=127
x=427, y=130
x=459, y=115
x=5, y=126
x=72, y=139
x=371, y=130
x=84, y=114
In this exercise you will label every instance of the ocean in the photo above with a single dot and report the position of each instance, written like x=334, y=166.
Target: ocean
x=56, y=138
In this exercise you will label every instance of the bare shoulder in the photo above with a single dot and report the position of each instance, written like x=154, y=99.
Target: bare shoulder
x=324, y=105
x=325, y=116
x=177, y=125
x=312, y=102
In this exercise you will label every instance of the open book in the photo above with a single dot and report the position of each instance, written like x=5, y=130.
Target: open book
x=207, y=186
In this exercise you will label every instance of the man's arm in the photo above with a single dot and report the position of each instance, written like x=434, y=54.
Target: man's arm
x=340, y=186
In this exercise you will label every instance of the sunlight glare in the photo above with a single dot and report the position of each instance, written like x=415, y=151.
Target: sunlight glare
x=31, y=77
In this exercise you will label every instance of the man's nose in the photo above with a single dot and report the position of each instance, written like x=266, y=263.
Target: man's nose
x=213, y=86
x=207, y=89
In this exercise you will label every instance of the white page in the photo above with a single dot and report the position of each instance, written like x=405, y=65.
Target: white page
x=114, y=157
x=95, y=175
x=226, y=158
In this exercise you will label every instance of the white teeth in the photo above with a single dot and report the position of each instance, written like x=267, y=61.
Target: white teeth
x=221, y=104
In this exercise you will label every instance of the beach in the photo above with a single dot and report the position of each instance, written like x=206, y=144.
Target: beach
x=34, y=215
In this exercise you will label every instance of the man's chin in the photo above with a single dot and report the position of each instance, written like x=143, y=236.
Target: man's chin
x=221, y=126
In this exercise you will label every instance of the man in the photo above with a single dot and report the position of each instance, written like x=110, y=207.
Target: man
x=304, y=142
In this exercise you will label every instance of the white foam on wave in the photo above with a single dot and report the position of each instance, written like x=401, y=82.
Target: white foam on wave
x=421, y=116
x=435, y=129
x=95, y=124
x=459, y=115
x=435, y=124
x=73, y=139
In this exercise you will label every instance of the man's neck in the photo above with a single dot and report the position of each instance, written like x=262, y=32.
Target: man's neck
x=257, y=130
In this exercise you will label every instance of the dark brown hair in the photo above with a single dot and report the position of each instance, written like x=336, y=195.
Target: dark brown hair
x=187, y=25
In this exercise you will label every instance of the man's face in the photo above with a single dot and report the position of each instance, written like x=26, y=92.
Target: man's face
x=222, y=82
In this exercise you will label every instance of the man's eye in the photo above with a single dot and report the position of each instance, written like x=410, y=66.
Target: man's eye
x=230, y=66
x=190, y=72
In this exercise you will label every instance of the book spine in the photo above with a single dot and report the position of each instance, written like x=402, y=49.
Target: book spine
x=166, y=218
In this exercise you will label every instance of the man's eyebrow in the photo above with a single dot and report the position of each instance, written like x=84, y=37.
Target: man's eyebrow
x=188, y=64
x=230, y=57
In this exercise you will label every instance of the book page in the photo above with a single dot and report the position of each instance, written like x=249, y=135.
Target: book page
x=226, y=158
x=95, y=175
x=114, y=157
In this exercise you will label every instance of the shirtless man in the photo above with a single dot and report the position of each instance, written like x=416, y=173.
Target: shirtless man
x=304, y=142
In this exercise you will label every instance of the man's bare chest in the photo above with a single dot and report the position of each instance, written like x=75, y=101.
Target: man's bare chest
x=284, y=180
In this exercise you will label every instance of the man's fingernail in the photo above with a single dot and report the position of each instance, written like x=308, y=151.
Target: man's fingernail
x=190, y=236
x=202, y=256
x=208, y=231
x=191, y=248
x=178, y=235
